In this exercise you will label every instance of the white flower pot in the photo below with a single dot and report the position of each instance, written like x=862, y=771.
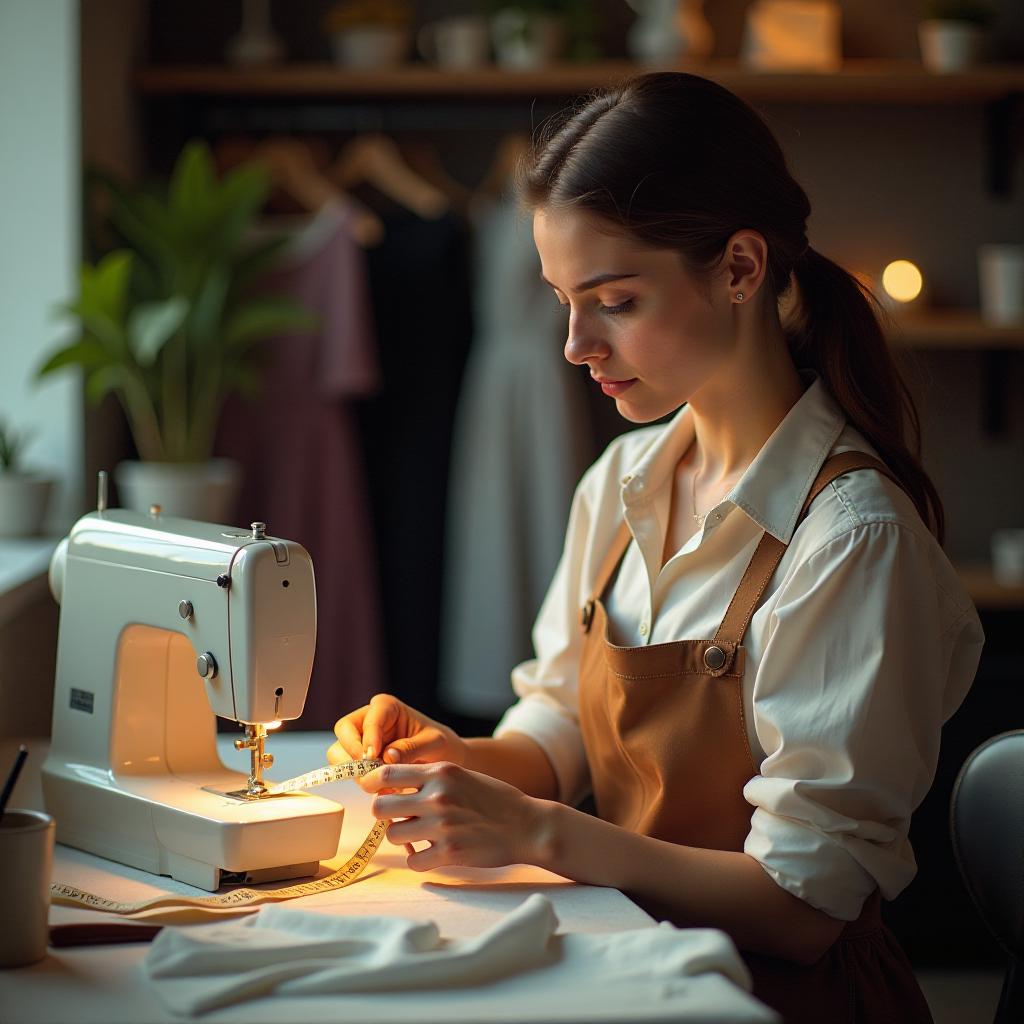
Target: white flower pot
x=206, y=491
x=24, y=499
x=949, y=46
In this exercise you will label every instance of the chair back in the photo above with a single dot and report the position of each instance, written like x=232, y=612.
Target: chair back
x=987, y=832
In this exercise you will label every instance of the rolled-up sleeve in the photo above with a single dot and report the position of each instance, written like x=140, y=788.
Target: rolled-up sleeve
x=547, y=685
x=872, y=645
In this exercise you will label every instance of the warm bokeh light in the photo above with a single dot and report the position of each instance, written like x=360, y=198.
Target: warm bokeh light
x=902, y=281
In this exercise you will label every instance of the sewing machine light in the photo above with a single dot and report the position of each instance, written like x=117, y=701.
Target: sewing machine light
x=271, y=726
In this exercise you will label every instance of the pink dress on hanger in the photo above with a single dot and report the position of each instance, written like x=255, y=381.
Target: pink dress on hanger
x=303, y=471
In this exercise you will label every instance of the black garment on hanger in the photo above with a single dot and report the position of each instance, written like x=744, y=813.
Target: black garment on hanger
x=421, y=299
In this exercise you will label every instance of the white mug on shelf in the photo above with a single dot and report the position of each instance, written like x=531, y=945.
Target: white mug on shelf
x=1001, y=283
x=1008, y=556
x=455, y=43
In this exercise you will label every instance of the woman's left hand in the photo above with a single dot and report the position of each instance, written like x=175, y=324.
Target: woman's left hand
x=469, y=819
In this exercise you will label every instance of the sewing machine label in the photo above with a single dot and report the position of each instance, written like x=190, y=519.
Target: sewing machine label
x=82, y=700
x=183, y=909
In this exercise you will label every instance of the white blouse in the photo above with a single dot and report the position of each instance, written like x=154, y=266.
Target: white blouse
x=864, y=643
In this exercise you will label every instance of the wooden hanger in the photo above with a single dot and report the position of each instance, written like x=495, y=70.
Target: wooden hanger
x=423, y=157
x=293, y=168
x=376, y=160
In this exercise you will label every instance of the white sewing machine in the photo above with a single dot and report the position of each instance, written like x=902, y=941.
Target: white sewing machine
x=166, y=623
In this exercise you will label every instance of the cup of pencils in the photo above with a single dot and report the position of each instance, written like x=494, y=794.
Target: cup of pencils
x=26, y=864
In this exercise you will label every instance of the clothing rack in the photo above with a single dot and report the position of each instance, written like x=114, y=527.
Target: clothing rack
x=332, y=116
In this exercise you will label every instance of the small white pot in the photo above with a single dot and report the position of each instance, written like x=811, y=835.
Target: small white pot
x=206, y=491
x=370, y=46
x=24, y=499
x=950, y=46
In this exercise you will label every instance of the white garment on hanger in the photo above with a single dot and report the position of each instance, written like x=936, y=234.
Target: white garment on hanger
x=521, y=442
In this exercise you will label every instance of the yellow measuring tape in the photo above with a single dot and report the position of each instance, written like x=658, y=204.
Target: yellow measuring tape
x=184, y=909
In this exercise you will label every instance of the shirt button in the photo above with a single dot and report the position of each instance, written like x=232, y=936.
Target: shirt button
x=643, y=628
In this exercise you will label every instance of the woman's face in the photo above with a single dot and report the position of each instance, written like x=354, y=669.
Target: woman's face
x=637, y=319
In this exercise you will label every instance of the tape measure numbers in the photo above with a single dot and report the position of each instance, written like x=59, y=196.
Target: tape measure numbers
x=183, y=909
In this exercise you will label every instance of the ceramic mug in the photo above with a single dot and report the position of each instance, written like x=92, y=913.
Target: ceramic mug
x=455, y=43
x=1008, y=556
x=26, y=864
x=1001, y=283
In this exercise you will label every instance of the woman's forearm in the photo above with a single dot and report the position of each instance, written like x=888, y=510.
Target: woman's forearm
x=691, y=886
x=516, y=759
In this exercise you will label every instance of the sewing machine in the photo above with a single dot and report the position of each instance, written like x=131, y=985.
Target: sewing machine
x=166, y=623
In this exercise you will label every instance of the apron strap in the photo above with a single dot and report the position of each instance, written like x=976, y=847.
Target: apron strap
x=770, y=550
x=611, y=560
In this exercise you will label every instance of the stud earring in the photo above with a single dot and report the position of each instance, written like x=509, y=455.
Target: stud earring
x=739, y=296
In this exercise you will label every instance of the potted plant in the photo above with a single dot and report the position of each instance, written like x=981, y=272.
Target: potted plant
x=952, y=33
x=529, y=34
x=24, y=495
x=171, y=321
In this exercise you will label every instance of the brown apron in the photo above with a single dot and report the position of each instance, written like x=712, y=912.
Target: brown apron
x=666, y=741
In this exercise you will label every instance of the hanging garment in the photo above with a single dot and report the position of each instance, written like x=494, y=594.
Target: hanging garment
x=667, y=747
x=303, y=471
x=522, y=441
x=421, y=306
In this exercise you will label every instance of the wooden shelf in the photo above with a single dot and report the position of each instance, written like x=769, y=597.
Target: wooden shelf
x=859, y=81
x=986, y=592
x=953, y=329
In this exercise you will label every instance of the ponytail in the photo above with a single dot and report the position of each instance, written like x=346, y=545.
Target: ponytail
x=834, y=329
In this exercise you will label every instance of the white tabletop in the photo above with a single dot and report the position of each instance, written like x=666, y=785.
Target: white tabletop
x=106, y=983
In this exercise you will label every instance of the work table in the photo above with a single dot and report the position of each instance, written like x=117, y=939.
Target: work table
x=106, y=984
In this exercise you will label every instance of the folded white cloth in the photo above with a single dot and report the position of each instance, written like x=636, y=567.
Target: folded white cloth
x=287, y=952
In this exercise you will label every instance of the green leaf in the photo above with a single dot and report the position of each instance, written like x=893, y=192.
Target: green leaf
x=104, y=380
x=263, y=318
x=85, y=353
x=151, y=324
x=193, y=183
x=208, y=308
x=240, y=198
x=259, y=261
x=104, y=288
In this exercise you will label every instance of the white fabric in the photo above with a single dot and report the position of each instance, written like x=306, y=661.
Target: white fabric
x=864, y=643
x=521, y=442
x=293, y=952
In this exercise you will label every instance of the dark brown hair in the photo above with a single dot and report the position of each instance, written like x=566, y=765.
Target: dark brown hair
x=678, y=162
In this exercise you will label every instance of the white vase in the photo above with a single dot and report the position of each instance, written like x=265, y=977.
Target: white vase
x=666, y=30
x=24, y=499
x=206, y=491
x=949, y=46
x=654, y=37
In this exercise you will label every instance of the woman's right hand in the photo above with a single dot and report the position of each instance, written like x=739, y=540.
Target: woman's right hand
x=396, y=733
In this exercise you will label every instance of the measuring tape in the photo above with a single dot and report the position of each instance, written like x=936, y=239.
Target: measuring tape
x=187, y=909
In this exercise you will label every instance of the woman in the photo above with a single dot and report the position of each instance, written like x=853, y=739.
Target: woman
x=753, y=636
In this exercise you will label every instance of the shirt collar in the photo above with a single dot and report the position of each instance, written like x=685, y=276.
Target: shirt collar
x=775, y=485
x=773, y=489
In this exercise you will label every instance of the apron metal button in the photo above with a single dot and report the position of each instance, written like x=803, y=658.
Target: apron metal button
x=714, y=658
